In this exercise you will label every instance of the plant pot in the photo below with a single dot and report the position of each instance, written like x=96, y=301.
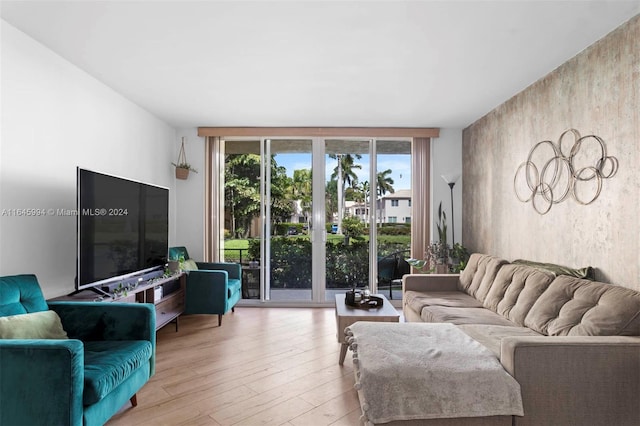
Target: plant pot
x=174, y=266
x=442, y=268
x=182, y=173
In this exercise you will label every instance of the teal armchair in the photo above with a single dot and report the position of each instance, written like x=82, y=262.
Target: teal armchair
x=85, y=379
x=212, y=288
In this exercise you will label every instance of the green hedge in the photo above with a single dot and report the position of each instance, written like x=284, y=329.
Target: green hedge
x=395, y=229
x=347, y=265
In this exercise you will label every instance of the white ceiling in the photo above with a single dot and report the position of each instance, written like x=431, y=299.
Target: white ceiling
x=318, y=63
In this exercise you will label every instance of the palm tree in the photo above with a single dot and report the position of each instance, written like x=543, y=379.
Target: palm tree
x=344, y=173
x=302, y=191
x=361, y=192
x=384, y=183
x=331, y=199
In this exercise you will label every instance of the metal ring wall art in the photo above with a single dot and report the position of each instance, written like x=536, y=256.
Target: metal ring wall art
x=551, y=173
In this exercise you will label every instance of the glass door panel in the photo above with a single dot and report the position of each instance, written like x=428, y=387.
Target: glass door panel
x=393, y=203
x=347, y=170
x=242, y=225
x=288, y=197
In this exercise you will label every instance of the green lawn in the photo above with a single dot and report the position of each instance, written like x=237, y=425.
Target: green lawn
x=236, y=244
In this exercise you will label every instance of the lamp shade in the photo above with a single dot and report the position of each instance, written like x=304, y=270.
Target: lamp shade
x=451, y=177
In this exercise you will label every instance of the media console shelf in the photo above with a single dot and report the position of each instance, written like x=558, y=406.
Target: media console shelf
x=166, y=293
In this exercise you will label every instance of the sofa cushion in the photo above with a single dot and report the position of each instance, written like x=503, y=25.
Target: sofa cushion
x=417, y=300
x=479, y=274
x=189, y=265
x=36, y=325
x=462, y=315
x=20, y=294
x=109, y=363
x=515, y=290
x=586, y=272
x=491, y=335
x=578, y=307
x=234, y=286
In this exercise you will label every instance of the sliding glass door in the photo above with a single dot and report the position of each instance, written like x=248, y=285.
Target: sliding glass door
x=305, y=215
x=347, y=214
x=288, y=203
x=393, y=214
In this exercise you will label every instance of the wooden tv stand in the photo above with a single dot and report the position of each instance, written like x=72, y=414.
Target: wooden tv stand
x=167, y=294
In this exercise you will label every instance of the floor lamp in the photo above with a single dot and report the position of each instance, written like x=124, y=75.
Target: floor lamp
x=451, y=180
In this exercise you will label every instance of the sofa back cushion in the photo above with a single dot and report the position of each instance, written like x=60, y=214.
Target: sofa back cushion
x=20, y=294
x=587, y=272
x=515, y=290
x=578, y=307
x=479, y=274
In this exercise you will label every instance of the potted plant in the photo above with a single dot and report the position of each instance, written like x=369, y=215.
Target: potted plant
x=173, y=266
x=182, y=170
x=460, y=257
x=439, y=256
x=182, y=166
x=441, y=250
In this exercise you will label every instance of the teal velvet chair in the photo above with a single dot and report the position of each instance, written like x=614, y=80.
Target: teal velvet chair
x=85, y=379
x=214, y=288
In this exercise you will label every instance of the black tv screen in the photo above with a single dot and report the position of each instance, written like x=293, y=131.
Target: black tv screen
x=123, y=228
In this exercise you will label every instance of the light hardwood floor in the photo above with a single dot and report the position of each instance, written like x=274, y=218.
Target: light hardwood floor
x=264, y=366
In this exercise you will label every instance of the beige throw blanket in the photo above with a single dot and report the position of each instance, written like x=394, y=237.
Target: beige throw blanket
x=408, y=371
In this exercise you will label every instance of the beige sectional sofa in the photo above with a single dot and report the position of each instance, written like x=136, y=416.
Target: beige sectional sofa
x=572, y=344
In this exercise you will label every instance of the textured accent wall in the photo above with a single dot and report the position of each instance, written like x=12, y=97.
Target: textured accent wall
x=596, y=92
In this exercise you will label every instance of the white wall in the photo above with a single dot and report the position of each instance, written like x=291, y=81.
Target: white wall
x=55, y=117
x=190, y=195
x=446, y=158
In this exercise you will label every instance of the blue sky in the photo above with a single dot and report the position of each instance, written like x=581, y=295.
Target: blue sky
x=400, y=165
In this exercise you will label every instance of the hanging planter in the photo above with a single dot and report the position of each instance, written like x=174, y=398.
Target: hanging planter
x=182, y=172
x=182, y=167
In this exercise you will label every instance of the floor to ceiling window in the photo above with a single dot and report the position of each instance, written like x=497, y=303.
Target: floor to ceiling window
x=312, y=216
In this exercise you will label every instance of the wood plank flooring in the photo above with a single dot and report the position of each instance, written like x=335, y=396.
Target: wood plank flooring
x=264, y=366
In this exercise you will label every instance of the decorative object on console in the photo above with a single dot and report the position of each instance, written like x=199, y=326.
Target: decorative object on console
x=173, y=266
x=182, y=166
x=562, y=171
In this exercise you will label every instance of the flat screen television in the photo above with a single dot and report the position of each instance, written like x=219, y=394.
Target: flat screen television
x=123, y=228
